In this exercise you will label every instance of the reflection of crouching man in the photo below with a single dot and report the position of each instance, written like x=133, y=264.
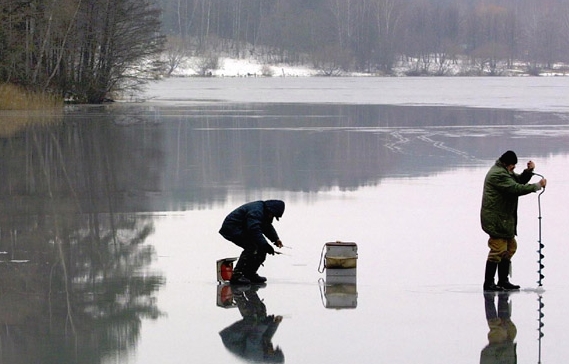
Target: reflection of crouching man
x=251, y=337
x=501, y=348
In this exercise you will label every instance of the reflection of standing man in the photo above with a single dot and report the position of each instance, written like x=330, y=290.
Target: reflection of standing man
x=499, y=216
x=250, y=338
x=501, y=348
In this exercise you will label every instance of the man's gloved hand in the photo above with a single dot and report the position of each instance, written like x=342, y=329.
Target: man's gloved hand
x=531, y=166
x=269, y=249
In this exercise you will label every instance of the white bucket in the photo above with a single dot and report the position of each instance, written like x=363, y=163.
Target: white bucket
x=339, y=255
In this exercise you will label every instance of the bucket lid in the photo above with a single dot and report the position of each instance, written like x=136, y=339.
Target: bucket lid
x=341, y=243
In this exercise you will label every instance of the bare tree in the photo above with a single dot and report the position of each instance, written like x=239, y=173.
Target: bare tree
x=331, y=60
x=176, y=54
x=387, y=16
x=564, y=29
x=120, y=41
x=89, y=48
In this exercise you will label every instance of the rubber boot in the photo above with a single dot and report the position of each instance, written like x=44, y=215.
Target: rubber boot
x=503, y=272
x=238, y=277
x=251, y=273
x=489, y=274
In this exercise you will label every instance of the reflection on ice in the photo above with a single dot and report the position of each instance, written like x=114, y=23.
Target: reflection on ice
x=501, y=346
x=337, y=292
x=251, y=337
x=127, y=192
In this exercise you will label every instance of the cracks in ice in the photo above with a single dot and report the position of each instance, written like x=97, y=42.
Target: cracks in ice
x=402, y=144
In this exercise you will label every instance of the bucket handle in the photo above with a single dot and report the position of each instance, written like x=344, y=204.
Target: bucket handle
x=322, y=287
x=322, y=264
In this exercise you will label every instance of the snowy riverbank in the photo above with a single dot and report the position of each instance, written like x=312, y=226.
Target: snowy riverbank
x=231, y=67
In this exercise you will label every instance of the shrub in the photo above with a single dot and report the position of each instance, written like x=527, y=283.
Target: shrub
x=267, y=71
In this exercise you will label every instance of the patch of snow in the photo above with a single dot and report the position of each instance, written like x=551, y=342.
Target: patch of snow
x=14, y=261
x=230, y=67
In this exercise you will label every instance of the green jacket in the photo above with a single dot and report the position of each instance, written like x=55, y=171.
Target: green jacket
x=499, y=212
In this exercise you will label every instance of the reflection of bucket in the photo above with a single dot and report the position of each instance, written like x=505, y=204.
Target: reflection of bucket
x=225, y=269
x=225, y=296
x=338, y=296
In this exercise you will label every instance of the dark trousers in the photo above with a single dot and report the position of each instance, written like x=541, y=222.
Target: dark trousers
x=251, y=257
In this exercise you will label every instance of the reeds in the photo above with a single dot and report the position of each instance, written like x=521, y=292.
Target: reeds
x=21, y=109
x=13, y=97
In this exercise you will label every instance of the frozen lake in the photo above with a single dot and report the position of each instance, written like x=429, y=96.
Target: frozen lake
x=522, y=93
x=131, y=196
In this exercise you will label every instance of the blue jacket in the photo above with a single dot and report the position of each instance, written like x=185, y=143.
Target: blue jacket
x=252, y=220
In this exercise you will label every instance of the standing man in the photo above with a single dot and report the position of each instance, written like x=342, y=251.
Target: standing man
x=247, y=226
x=499, y=216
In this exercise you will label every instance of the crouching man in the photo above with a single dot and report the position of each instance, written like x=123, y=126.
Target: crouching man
x=247, y=226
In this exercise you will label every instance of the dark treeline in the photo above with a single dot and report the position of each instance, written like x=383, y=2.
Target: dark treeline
x=86, y=49
x=372, y=35
x=90, y=49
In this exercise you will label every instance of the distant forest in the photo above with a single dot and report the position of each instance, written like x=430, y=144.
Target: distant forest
x=373, y=35
x=89, y=50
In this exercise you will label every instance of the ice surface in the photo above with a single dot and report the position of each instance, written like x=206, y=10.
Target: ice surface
x=523, y=93
x=417, y=297
x=393, y=164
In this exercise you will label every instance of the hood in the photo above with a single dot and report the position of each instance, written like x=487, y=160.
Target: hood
x=276, y=207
